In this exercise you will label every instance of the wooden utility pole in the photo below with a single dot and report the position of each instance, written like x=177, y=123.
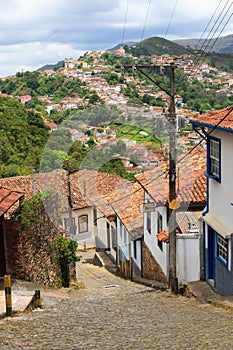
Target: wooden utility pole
x=70, y=205
x=173, y=280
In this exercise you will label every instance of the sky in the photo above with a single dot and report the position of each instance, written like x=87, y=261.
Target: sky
x=37, y=32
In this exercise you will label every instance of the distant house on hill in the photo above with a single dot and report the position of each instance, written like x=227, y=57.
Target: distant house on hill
x=51, y=125
x=24, y=99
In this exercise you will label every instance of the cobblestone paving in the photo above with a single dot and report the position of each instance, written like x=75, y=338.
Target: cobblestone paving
x=112, y=313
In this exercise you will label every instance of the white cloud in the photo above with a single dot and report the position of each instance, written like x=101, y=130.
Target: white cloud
x=31, y=56
x=74, y=25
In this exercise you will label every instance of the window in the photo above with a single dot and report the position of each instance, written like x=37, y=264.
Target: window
x=114, y=245
x=159, y=223
x=95, y=216
x=121, y=230
x=125, y=236
x=135, y=249
x=214, y=158
x=83, y=223
x=148, y=222
x=222, y=249
x=67, y=223
x=159, y=229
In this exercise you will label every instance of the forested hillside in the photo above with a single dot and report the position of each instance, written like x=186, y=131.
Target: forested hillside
x=22, y=138
x=115, y=93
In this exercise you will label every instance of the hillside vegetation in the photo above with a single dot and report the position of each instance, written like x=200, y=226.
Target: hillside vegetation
x=222, y=45
x=158, y=46
x=22, y=138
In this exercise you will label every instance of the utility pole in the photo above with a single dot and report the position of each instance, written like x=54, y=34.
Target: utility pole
x=173, y=280
x=71, y=226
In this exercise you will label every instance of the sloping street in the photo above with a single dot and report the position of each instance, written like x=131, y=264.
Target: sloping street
x=113, y=313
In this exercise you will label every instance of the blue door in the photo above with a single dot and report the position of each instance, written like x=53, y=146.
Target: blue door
x=211, y=253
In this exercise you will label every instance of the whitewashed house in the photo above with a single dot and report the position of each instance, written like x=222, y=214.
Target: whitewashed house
x=217, y=217
x=191, y=195
x=92, y=216
x=129, y=226
x=120, y=224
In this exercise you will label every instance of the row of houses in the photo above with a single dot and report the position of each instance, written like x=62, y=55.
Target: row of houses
x=129, y=221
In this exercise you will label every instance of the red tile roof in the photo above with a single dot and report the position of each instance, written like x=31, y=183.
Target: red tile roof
x=163, y=236
x=55, y=181
x=222, y=118
x=191, y=180
x=111, y=194
x=8, y=198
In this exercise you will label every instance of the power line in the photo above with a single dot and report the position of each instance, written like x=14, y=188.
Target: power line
x=173, y=11
x=201, y=51
x=209, y=23
x=206, y=42
x=215, y=40
x=181, y=159
x=125, y=21
x=209, y=42
x=206, y=136
x=146, y=19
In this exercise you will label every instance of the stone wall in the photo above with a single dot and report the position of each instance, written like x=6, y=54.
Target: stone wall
x=150, y=268
x=27, y=252
x=12, y=247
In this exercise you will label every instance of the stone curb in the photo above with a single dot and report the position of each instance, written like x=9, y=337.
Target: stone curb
x=223, y=304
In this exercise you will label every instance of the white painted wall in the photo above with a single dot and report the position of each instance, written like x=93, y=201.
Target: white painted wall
x=102, y=235
x=126, y=245
x=88, y=237
x=138, y=260
x=151, y=239
x=101, y=238
x=221, y=194
x=188, y=257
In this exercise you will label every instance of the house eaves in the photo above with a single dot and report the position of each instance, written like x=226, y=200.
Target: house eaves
x=219, y=120
x=8, y=198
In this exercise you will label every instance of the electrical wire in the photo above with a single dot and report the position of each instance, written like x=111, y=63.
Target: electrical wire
x=209, y=23
x=215, y=40
x=146, y=19
x=207, y=41
x=125, y=21
x=200, y=60
x=169, y=24
x=211, y=46
x=180, y=160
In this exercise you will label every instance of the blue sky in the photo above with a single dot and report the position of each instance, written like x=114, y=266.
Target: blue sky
x=36, y=32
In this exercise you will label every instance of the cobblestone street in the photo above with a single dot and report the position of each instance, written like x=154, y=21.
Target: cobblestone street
x=113, y=313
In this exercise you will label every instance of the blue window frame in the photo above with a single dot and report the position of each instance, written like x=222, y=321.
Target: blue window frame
x=222, y=249
x=214, y=158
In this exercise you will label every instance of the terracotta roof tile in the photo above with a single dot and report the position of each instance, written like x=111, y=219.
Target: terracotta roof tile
x=8, y=198
x=54, y=181
x=187, y=222
x=110, y=193
x=191, y=181
x=163, y=236
x=213, y=118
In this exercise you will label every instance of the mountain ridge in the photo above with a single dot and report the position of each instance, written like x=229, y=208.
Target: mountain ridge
x=222, y=45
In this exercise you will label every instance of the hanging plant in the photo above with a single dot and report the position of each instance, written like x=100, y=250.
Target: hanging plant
x=65, y=251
